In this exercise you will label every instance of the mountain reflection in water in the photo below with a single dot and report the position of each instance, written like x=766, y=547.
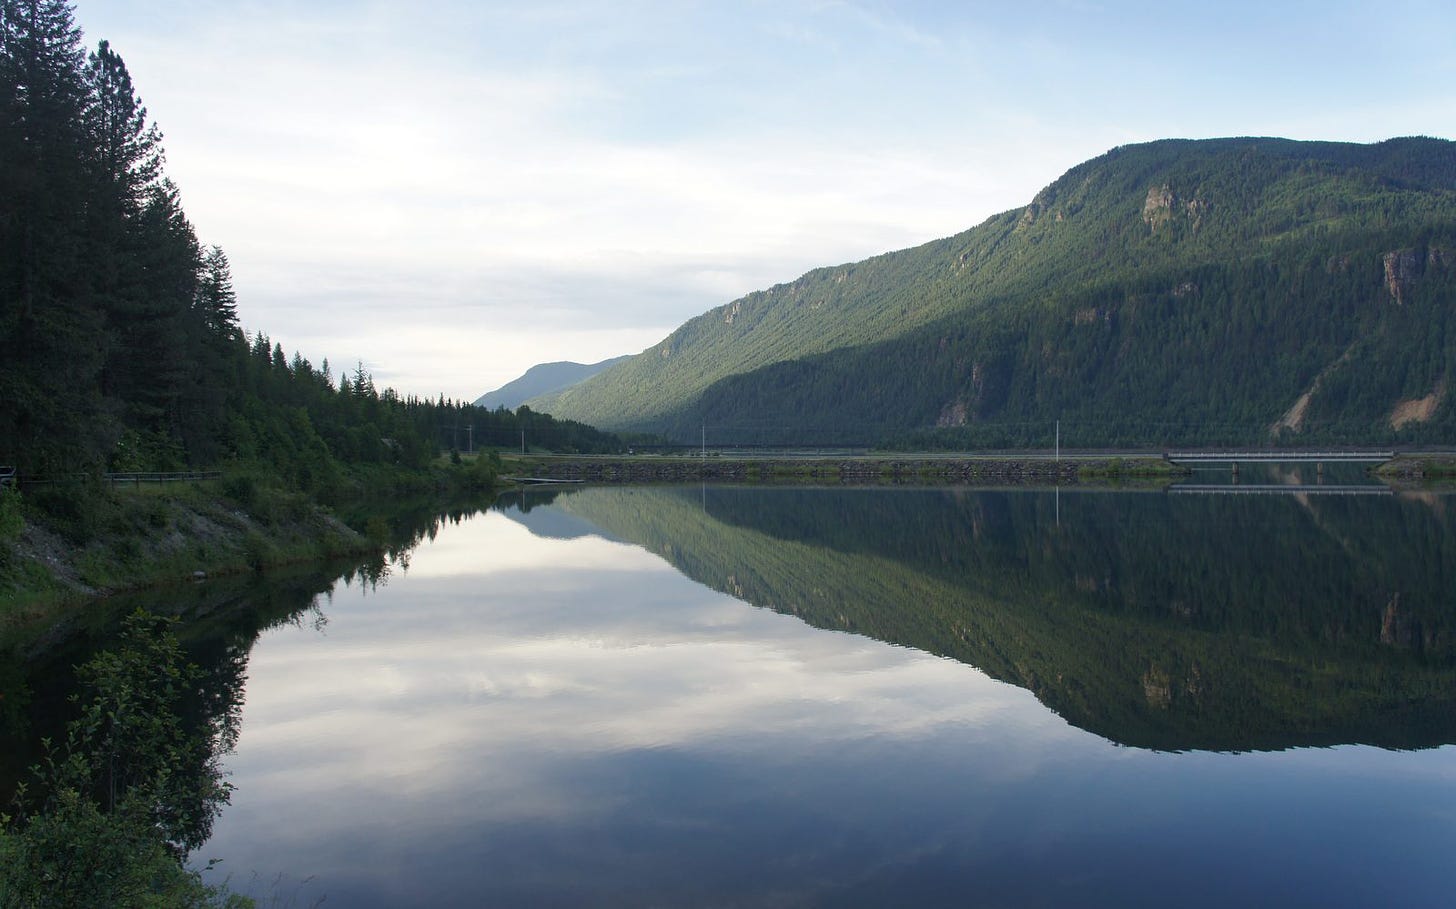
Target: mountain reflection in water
x=568, y=700
x=1212, y=622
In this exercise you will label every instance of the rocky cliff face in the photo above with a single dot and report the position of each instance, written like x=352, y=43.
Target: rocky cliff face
x=1162, y=203
x=1158, y=207
x=1404, y=267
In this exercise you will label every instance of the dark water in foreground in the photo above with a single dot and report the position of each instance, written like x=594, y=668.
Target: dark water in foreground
x=760, y=696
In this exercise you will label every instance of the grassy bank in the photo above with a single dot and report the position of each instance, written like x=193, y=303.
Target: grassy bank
x=1415, y=468
x=67, y=542
x=1117, y=469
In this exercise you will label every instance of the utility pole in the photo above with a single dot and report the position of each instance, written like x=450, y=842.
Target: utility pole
x=705, y=438
x=523, y=441
x=1059, y=441
x=470, y=436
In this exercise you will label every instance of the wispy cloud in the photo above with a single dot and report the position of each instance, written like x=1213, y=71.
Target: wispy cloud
x=563, y=175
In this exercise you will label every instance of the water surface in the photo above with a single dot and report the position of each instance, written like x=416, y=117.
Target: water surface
x=678, y=697
x=783, y=697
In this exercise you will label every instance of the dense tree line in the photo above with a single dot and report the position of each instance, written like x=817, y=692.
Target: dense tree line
x=120, y=344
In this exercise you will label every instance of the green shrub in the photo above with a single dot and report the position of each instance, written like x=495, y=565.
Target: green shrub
x=115, y=811
x=128, y=549
x=94, y=568
x=11, y=520
x=75, y=854
x=76, y=509
x=485, y=470
x=153, y=511
x=240, y=487
x=263, y=501
x=257, y=551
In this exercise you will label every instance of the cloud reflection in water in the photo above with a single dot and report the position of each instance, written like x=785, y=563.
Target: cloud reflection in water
x=521, y=720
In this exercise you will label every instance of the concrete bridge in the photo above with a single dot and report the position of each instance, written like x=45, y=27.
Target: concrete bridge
x=1280, y=457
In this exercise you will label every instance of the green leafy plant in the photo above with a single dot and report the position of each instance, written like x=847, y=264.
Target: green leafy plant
x=115, y=809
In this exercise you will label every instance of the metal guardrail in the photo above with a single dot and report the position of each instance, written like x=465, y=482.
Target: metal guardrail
x=9, y=476
x=184, y=476
x=539, y=481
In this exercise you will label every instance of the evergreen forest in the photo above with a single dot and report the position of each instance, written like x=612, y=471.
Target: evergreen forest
x=121, y=347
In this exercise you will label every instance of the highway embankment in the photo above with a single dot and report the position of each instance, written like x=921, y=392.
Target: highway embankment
x=863, y=470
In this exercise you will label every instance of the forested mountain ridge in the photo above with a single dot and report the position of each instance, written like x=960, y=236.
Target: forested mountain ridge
x=1180, y=290
x=543, y=378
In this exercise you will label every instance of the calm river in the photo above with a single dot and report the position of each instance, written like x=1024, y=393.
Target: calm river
x=784, y=697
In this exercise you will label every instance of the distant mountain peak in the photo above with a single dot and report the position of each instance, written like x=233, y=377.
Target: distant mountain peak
x=543, y=378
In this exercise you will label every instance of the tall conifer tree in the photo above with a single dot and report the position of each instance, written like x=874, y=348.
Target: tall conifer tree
x=50, y=326
x=142, y=251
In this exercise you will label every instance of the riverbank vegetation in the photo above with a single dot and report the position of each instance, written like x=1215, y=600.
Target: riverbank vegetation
x=115, y=808
x=1420, y=469
x=61, y=685
x=88, y=538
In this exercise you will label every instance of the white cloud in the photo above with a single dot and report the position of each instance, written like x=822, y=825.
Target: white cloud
x=563, y=652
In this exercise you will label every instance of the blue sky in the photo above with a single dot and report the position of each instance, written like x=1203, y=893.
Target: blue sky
x=451, y=192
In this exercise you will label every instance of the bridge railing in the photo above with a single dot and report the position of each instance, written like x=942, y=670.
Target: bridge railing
x=1285, y=456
